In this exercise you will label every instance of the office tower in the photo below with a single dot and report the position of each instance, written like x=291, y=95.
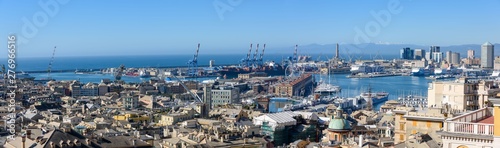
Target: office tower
x=487, y=55
x=448, y=56
x=406, y=53
x=419, y=54
x=470, y=54
x=437, y=57
x=428, y=56
x=455, y=58
x=433, y=49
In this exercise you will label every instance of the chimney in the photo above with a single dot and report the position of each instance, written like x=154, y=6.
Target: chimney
x=360, y=143
x=52, y=144
x=28, y=132
x=24, y=141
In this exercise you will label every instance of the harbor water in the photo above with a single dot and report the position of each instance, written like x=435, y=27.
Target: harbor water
x=396, y=86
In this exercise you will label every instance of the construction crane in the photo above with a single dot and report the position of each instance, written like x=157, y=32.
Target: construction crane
x=261, y=59
x=195, y=96
x=254, y=61
x=119, y=73
x=50, y=64
x=193, y=64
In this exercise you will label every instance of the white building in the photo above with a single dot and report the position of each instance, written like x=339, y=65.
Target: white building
x=487, y=55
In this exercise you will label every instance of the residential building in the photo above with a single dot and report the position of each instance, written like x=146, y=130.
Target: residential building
x=182, y=114
x=409, y=121
x=496, y=65
x=471, y=54
x=297, y=86
x=462, y=94
x=225, y=95
x=476, y=129
x=130, y=101
x=487, y=55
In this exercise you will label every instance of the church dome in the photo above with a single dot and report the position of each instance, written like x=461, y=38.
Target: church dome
x=338, y=122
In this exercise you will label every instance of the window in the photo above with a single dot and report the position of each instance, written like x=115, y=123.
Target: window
x=401, y=127
x=402, y=137
x=428, y=124
x=414, y=123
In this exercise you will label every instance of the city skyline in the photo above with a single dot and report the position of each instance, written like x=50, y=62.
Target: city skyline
x=127, y=28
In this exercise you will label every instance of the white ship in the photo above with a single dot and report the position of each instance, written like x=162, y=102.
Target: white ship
x=366, y=68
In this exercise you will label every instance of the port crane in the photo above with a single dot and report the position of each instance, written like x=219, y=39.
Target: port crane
x=49, y=70
x=193, y=64
x=246, y=62
x=254, y=61
x=261, y=58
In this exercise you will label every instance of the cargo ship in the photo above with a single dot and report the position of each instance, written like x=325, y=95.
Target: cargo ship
x=271, y=69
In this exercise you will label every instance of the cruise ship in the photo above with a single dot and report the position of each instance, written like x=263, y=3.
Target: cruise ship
x=366, y=68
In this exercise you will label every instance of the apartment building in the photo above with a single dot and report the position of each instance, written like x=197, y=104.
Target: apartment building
x=462, y=94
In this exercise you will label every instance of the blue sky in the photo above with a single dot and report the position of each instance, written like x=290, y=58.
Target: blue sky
x=121, y=27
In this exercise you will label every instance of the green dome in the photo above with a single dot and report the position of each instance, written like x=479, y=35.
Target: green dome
x=339, y=124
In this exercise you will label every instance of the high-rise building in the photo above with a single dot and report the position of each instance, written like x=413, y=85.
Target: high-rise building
x=433, y=49
x=437, y=57
x=487, y=55
x=448, y=56
x=428, y=56
x=455, y=58
x=419, y=54
x=470, y=54
x=406, y=53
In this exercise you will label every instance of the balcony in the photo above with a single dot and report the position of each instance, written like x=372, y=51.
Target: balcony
x=476, y=122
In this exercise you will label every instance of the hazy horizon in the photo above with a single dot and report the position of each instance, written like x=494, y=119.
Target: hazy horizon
x=162, y=27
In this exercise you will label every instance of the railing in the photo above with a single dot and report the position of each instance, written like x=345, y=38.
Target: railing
x=474, y=116
x=469, y=128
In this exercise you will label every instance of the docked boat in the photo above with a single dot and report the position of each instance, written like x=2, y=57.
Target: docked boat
x=366, y=68
x=144, y=74
x=376, y=97
x=271, y=69
x=326, y=89
x=422, y=71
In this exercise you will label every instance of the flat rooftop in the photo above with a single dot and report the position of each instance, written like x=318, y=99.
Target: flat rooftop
x=489, y=120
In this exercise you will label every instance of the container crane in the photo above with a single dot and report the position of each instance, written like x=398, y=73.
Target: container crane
x=254, y=61
x=247, y=60
x=50, y=64
x=261, y=59
x=193, y=64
